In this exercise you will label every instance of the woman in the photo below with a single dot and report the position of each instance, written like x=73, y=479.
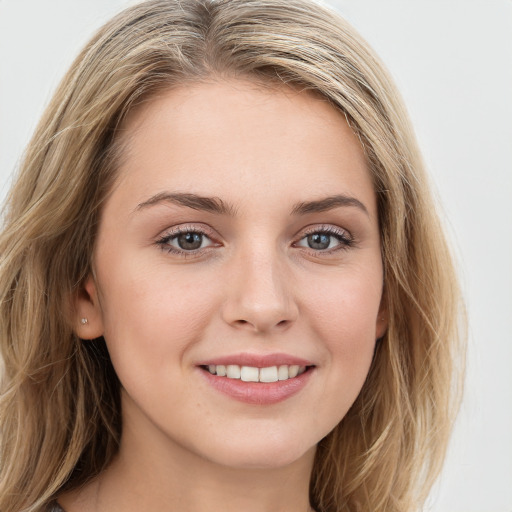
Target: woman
x=239, y=292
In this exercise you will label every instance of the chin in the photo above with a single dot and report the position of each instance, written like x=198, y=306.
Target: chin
x=262, y=453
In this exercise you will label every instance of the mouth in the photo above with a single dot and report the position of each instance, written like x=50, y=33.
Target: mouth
x=258, y=380
x=266, y=374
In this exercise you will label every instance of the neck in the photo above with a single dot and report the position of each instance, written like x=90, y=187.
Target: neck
x=178, y=483
x=155, y=473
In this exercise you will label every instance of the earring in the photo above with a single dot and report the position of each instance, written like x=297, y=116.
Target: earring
x=84, y=321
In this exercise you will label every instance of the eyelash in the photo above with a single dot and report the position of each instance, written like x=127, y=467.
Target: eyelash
x=164, y=241
x=345, y=240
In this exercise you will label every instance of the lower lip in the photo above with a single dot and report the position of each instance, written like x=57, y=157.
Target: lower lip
x=258, y=393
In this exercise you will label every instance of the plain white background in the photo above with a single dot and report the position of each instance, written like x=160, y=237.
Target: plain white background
x=452, y=61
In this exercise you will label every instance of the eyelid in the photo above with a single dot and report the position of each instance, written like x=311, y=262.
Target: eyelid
x=187, y=227
x=326, y=228
x=170, y=233
x=345, y=238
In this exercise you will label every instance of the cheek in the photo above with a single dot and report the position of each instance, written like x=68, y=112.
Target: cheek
x=343, y=316
x=153, y=315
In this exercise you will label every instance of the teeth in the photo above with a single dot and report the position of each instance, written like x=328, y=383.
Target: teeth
x=232, y=371
x=253, y=374
x=249, y=374
x=282, y=372
x=293, y=371
x=269, y=374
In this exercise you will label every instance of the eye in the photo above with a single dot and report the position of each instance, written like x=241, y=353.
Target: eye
x=189, y=241
x=326, y=239
x=185, y=240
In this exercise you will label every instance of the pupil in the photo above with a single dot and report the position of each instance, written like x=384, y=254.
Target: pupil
x=319, y=241
x=190, y=241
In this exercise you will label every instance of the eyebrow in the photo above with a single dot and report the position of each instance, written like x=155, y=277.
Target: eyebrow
x=194, y=201
x=328, y=203
x=218, y=206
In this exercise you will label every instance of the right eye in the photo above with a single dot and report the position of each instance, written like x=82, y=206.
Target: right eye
x=326, y=239
x=189, y=241
x=183, y=241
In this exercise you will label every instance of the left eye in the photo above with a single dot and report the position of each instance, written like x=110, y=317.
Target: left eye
x=321, y=241
x=188, y=241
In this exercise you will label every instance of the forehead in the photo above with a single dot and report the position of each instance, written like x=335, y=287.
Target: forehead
x=231, y=137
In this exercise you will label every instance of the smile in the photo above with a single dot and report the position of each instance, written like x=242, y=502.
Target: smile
x=255, y=374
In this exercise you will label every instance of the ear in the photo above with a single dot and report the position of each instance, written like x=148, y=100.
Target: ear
x=88, y=316
x=381, y=325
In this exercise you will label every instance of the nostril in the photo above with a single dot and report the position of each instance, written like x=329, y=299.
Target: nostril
x=260, y=326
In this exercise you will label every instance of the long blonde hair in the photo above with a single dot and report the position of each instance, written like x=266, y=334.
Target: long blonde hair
x=60, y=410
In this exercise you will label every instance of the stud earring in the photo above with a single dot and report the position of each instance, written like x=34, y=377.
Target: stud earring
x=84, y=321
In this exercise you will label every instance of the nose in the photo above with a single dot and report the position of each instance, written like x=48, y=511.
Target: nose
x=260, y=295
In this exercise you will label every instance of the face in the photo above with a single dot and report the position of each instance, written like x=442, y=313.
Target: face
x=241, y=238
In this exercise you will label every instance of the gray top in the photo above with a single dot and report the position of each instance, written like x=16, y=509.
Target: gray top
x=55, y=507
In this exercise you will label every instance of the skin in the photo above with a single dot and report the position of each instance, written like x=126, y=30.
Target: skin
x=255, y=286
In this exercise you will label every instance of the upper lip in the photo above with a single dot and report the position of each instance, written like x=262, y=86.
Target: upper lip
x=257, y=360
